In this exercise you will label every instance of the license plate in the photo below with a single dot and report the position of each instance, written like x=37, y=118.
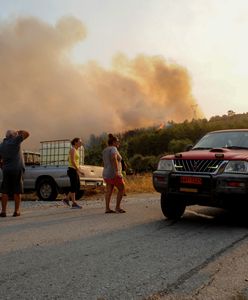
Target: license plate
x=191, y=180
x=188, y=190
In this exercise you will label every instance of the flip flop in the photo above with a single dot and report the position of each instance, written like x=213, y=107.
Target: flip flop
x=110, y=211
x=120, y=211
x=16, y=214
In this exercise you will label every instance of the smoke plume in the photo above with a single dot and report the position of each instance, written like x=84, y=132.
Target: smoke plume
x=42, y=91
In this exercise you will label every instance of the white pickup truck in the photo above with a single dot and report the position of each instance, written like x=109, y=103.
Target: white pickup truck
x=46, y=171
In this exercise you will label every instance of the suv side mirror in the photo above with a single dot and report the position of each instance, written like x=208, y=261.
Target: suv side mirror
x=188, y=147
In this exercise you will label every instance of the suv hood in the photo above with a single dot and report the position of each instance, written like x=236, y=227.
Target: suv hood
x=215, y=153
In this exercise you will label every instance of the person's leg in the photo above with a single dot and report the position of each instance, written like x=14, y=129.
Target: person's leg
x=74, y=202
x=108, y=193
x=73, y=197
x=121, y=189
x=74, y=187
x=123, y=176
x=6, y=185
x=70, y=197
x=5, y=199
x=17, y=191
x=17, y=199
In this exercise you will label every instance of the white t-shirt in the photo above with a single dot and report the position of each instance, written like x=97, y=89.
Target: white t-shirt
x=108, y=169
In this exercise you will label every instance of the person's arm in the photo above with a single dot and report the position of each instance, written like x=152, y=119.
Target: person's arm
x=115, y=163
x=25, y=134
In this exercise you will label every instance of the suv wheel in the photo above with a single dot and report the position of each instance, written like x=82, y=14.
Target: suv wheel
x=172, y=208
x=47, y=190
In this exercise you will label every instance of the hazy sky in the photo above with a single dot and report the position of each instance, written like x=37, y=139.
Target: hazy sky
x=206, y=37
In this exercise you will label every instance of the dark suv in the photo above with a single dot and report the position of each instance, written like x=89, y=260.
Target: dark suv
x=214, y=172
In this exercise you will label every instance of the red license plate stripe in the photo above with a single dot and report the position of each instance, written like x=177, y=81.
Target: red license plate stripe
x=191, y=180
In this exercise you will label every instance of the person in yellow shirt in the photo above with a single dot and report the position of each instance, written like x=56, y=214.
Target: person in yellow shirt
x=73, y=173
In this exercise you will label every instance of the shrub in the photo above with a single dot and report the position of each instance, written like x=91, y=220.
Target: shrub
x=142, y=164
x=178, y=145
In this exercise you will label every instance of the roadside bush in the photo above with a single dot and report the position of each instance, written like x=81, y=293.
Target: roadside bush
x=142, y=164
x=178, y=145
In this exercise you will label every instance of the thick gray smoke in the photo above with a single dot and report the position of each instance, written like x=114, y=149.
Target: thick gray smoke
x=42, y=91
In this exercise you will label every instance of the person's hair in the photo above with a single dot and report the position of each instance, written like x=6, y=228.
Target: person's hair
x=10, y=133
x=111, y=139
x=75, y=140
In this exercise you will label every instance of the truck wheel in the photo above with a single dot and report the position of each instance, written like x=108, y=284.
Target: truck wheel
x=47, y=190
x=172, y=208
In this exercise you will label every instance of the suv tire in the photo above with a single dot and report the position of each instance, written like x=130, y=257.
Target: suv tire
x=172, y=208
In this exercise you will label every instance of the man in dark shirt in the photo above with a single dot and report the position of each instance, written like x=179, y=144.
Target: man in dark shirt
x=12, y=168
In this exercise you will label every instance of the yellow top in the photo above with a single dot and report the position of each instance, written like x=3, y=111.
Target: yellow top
x=76, y=159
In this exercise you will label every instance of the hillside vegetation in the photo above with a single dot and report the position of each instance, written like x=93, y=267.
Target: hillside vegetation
x=141, y=148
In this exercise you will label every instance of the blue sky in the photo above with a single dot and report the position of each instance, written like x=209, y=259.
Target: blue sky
x=208, y=37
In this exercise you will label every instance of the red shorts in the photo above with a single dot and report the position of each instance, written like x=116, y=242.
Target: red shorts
x=118, y=180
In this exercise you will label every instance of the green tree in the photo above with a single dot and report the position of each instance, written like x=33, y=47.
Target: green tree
x=142, y=147
x=178, y=145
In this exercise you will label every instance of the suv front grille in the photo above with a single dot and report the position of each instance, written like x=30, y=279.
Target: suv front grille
x=197, y=165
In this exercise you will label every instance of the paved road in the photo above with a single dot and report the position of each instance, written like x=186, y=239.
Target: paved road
x=53, y=252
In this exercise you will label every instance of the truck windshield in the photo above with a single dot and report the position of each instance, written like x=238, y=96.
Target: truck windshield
x=228, y=139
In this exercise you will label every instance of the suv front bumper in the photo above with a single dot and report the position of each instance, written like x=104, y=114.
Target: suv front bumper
x=216, y=190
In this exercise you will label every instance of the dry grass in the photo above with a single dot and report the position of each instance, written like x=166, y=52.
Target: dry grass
x=139, y=183
x=239, y=297
x=134, y=184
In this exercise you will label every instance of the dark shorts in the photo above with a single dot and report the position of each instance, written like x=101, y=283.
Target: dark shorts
x=12, y=182
x=74, y=180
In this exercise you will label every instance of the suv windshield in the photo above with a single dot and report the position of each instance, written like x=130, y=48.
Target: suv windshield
x=228, y=139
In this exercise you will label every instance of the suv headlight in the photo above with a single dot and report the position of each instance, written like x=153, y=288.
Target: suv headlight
x=165, y=165
x=236, y=166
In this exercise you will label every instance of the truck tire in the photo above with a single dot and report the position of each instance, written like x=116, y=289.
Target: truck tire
x=172, y=208
x=47, y=190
